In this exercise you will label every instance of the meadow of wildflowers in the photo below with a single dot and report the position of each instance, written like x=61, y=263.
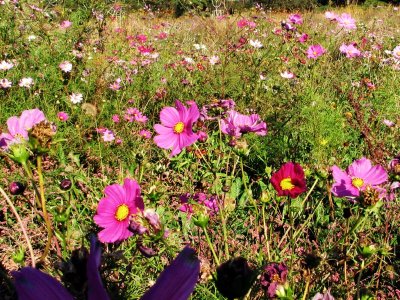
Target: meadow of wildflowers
x=246, y=156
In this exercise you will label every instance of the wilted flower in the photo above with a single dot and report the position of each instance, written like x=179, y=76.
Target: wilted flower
x=235, y=124
x=175, y=130
x=315, y=51
x=114, y=211
x=274, y=275
x=358, y=176
x=289, y=180
x=234, y=278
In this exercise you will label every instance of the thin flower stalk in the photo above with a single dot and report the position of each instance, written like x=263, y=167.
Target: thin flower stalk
x=14, y=211
x=45, y=214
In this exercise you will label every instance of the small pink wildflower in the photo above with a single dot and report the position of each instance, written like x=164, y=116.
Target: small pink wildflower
x=116, y=85
x=214, y=60
x=235, y=124
x=65, y=66
x=115, y=118
x=315, y=51
x=145, y=133
x=108, y=136
x=63, y=116
x=350, y=50
x=296, y=19
x=5, y=83
x=175, y=130
x=6, y=65
x=65, y=24
x=331, y=16
x=303, y=38
x=287, y=75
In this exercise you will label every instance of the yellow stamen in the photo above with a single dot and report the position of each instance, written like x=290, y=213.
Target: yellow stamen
x=122, y=212
x=357, y=182
x=286, y=184
x=179, y=127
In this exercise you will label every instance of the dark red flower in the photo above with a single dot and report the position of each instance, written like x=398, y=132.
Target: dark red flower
x=289, y=180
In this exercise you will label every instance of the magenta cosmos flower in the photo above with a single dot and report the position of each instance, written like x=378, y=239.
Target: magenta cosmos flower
x=358, y=176
x=315, y=51
x=175, y=130
x=235, y=124
x=289, y=180
x=114, y=210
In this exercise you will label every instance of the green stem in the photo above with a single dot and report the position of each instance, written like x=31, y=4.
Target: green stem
x=45, y=214
x=211, y=246
x=360, y=220
x=224, y=231
x=266, y=235
x=14, y=211
x=246, y=188
x=29, y=173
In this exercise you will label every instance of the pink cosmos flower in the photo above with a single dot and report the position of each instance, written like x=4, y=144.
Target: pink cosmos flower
x=296, y=19
x=358, y=176
x=63, y=116
x=26, y=82
x=350, y=50
x=114, y=210
x=346, y=21
x=175, y=130
x=6, y=65
x=18, y=127
x=331, y=16
x=236, y=124
x=396, y=52
x=303, y=38
x=145, y=133
x=315, y=51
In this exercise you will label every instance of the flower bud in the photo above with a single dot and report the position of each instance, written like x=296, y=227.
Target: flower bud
x=65, y=184
x=19, y=153
x=16, y=188
x=201, y=220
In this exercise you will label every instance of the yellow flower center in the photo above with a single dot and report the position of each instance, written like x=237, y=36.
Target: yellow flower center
x=122, y=212
x=286, y=184
x=357, y=182
x=179, y=127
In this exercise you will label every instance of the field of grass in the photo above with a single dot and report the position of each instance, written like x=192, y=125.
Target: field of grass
x=322, y=91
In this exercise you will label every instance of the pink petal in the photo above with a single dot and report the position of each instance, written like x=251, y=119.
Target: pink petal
x=169, y=116
x=340, y=176
x=116, y=193
x=165, y=141
x=160, y=129
x=132, y=191
x=376, y=175
x=359, y=167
